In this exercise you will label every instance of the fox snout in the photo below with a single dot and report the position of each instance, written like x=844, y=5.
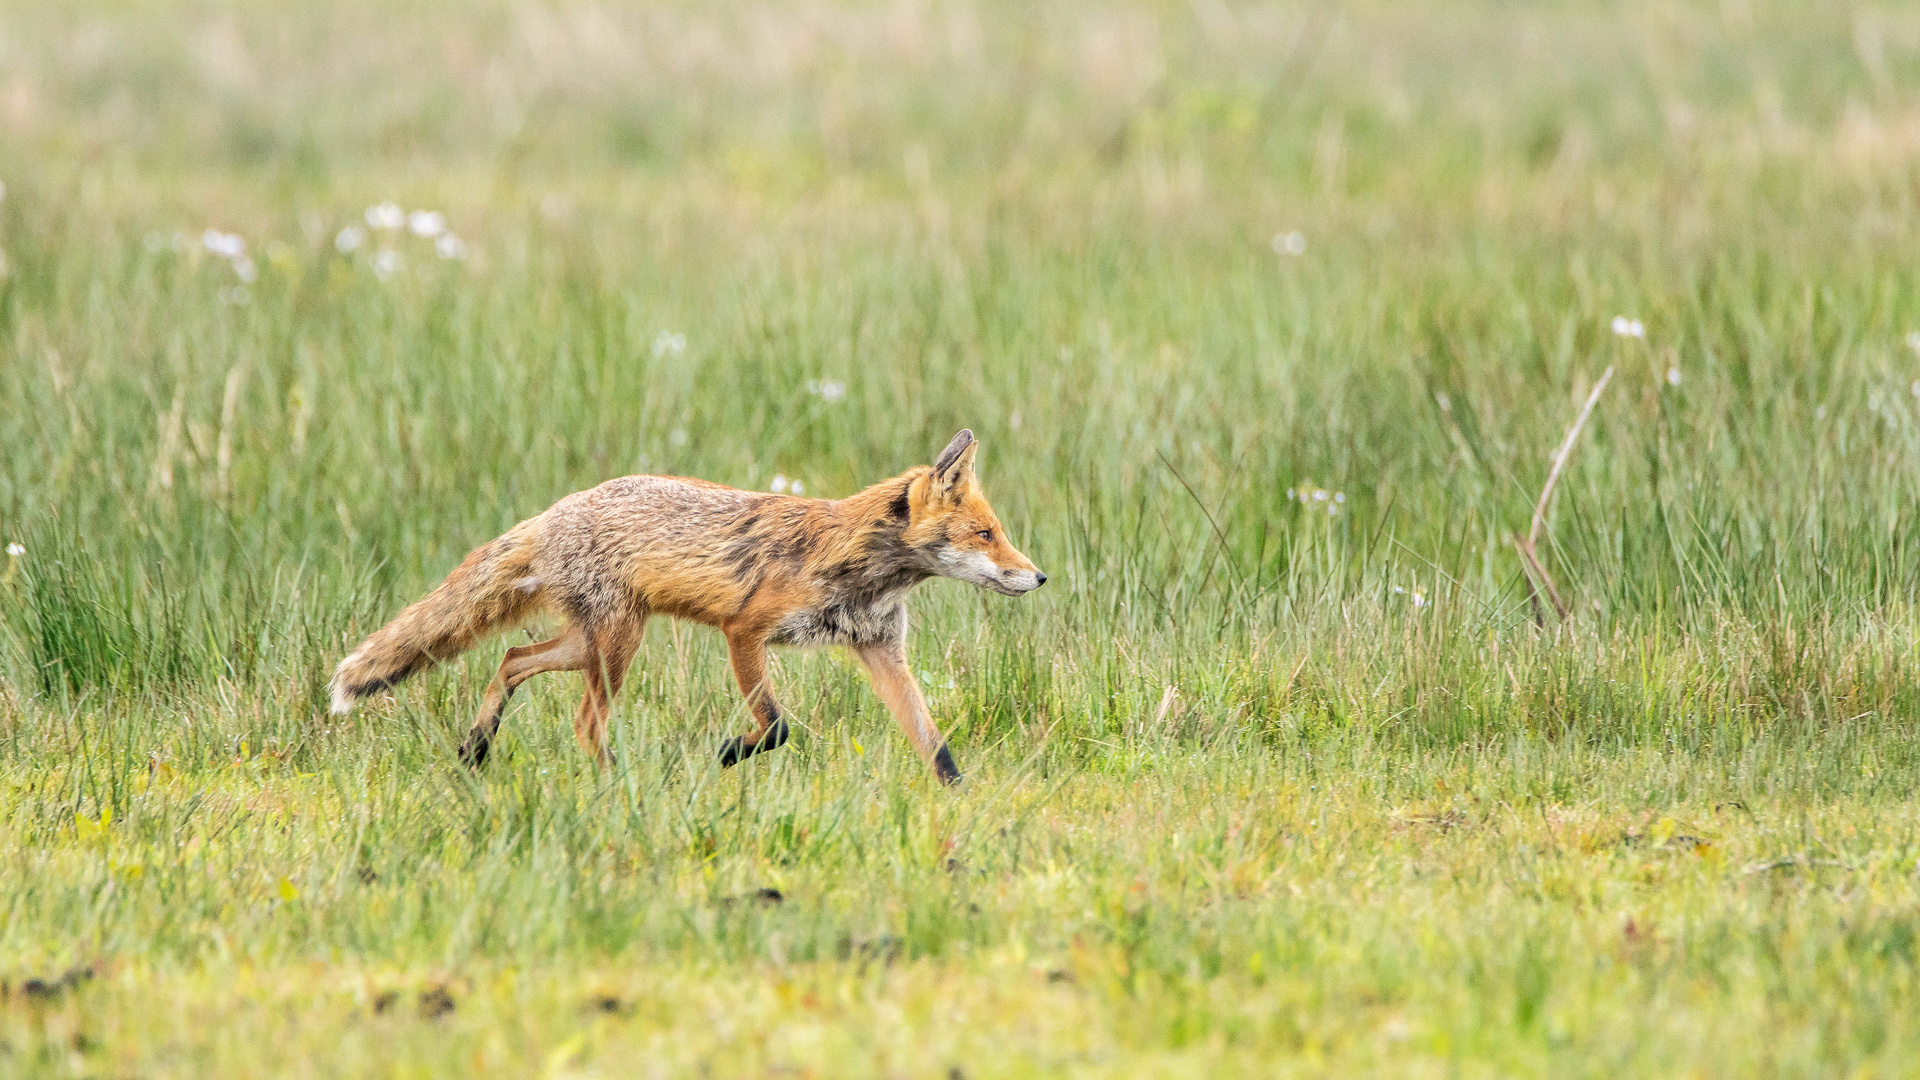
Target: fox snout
x=1022, y=582
x=1012, y=577
x=1019, y=578
x=1009, y=572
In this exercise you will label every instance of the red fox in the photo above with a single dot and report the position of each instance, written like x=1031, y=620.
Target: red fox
x=763, y=569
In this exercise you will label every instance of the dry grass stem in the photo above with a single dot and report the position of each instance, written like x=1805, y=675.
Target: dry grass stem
x=1529, y=546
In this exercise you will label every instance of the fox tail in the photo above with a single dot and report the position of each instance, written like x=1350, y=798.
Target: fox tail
x=491, y=590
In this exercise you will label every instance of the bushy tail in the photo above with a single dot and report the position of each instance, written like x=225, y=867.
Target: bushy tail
x=491, y=590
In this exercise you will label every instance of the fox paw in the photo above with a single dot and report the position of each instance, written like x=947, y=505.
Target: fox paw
x=738, y=748
x=473, y=752
x=943, y=766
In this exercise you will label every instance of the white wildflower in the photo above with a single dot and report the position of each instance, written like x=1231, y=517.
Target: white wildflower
x=1419, y=598
x=1319, y=495
x=1913, y=341
x=1399, y=588
x=677, y=437
x=1013, y=421
x=1820, y=411
x=1916, y=388
x=1673, y=376
x=244, y=269
x=225, y=244
x=666, y=342
x=349, y=239
x=1339, y=496
x=385, y=263
x=385, y=215
x=779, y=486
x=449, y=246
x=797, y=488
x=1625, y=327
x=427, y=222
x=827, y=391
x=1291, y=494
x=1289, y=243
x=16, y=549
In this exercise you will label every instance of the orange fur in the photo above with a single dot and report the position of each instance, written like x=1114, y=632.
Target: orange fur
x=763, y=569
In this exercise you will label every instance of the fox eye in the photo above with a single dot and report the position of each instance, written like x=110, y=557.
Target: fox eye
x=985, y=534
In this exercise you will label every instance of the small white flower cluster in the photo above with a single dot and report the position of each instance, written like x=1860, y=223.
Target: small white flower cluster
x=1625, y=327
x=1913, y=341
x=783, y=486
x=1418, y=599
x=1289, y=243
x=388, y=217
x=233, y=248
x=1673, y=376
x=827, y=391
x=16, y=549
x=1315, y=498
x=668, y=342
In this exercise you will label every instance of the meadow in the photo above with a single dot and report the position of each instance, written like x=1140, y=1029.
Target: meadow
x=1269, y=317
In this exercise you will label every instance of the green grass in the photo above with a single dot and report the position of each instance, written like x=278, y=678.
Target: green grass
x=1238, y=802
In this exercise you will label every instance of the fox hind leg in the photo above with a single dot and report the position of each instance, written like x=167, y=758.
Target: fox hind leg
x=610, y=654
x=748, y=652
x=568, y=652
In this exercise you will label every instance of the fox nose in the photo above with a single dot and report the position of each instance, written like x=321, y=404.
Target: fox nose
x=1041, y=579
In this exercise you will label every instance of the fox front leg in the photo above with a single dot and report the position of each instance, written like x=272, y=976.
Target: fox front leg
x=748, y=652
x=887, y=667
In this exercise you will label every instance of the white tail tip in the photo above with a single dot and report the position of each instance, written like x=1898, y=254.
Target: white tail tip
x=342, y=701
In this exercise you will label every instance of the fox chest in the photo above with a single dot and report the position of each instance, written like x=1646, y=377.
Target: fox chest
x=870, y=622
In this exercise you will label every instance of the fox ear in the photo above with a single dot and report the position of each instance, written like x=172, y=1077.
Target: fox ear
x=953, y=469
x=952, y=453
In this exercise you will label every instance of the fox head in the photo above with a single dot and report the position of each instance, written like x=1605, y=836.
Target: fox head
x=955, y=532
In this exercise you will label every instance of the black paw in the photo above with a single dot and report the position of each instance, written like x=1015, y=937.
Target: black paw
x=943, y=766
x=738, y=749
x=473, y=752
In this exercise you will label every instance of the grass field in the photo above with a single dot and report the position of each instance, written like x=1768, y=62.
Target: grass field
x=1269, y=318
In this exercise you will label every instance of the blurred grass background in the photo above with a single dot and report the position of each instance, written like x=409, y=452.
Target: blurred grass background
x=1182, y=267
